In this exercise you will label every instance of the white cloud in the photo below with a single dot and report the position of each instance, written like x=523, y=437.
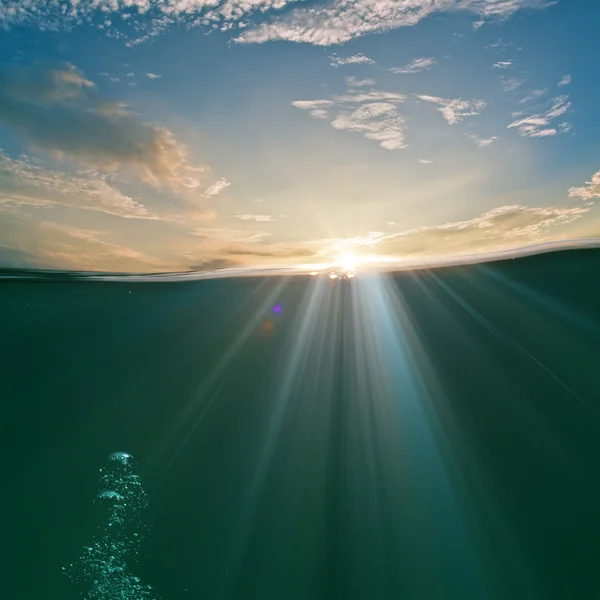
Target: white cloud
x=354, y=82
x=417, y=65
x=510, y=84
x=503, y=64
x=217, y=187
x=343, y=20
x=321, y=24
x=22, y=183
x=153, y=76
x=357, y=59
x=456, y=109
x=378, y=121
x=589, y=191
x=57, y=109
x=541, y=124
x=374, y=114
x=482, y=142
x=425, y=161
x=566, y=80
x=533, y=96
x=257, y=218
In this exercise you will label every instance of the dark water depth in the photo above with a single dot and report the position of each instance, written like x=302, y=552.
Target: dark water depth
x=427, y=435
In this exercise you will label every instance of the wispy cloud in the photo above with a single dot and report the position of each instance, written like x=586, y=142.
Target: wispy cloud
x=505, y=227
x=323, y=24
x=546, y=123
x=482, y=142
x=510, y=84
x=258, y=218
x=425, y=161
x=356, y=59
x=57, y=109
x=455, y=109
x=342, y=21
x=216, y=235
x=373, y=114
x=22, y=183
x=65, y=247
x=503, y=64
x=217, y=187
x=355, y=82
x=153, y=76
x=589, y=191
x=533, y=96
x=415, y=66
x=566, y=80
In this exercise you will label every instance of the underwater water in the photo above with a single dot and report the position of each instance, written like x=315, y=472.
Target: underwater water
x=422, y=435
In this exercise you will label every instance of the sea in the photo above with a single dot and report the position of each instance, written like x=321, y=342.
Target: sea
x=422, y=435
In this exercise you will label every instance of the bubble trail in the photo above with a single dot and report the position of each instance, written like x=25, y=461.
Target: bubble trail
x=103, y=571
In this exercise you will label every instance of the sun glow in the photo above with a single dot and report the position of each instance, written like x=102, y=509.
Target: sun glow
x=347, y=261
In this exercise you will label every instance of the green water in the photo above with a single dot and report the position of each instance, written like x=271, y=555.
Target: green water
x=429, y=435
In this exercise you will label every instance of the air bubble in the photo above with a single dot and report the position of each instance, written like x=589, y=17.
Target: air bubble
x=104, y=569
x=110, y=495
x=122, y=457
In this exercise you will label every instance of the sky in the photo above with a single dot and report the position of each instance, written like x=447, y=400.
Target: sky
x=176, y=135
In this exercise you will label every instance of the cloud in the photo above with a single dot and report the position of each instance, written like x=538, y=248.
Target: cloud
x=24, y=183
x=321, y=24
x=482, y=142
x=456, y=109
x=566, y=80
x=213, y=264
x=378, y=121
x=343, y=20
x=55, y=108
x=216, y=188
x=273, y=251
x=533, y=96
x=510, y=84
x=416, y=66
x=501, y=228
x=247, y=217
x=425, y=161
x=354, y=82
x=590, y=191
x=373, y=114
x=503, y=64
x=357, y=59
x=541, y=124
x=73, y=248
x=214, y=235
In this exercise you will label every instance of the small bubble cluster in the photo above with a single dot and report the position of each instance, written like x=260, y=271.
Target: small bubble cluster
x=103, y=571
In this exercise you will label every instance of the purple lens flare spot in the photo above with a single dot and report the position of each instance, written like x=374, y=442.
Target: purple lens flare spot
x=277, y=308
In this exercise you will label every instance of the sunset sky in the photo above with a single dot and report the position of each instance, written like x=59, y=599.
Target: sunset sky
x=173, y=135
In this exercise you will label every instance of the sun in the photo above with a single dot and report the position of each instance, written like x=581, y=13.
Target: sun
x=347, y=261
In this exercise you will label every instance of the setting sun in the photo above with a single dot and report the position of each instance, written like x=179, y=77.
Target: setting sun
x=347, y=261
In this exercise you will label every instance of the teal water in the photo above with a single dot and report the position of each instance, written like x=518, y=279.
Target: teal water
x=427, y=435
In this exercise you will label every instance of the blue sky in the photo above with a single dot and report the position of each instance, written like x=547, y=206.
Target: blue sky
x=186, y=134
